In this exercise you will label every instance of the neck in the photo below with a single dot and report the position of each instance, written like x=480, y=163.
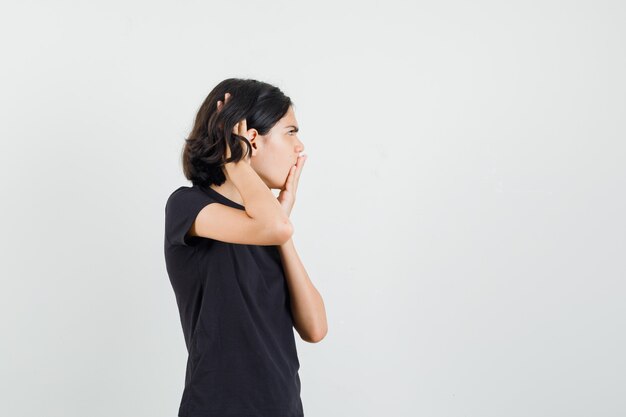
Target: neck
x=229, y=191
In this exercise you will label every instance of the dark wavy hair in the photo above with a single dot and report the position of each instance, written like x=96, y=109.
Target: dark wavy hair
x=204, y=151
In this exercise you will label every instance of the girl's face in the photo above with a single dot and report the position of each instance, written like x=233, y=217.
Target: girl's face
x=274, y=154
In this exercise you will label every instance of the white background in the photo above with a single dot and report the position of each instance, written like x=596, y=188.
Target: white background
x=461, y=210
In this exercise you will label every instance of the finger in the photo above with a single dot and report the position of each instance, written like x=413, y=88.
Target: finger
x=296, y=176
x=300, y=164
x=289, y=181
x=294, y=182
x=219, y=102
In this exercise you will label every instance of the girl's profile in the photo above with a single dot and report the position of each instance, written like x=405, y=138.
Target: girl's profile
x=240, y=286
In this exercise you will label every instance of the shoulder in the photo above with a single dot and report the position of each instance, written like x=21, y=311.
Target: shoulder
x=186, y=196
x=186, y=192
x=178, y=192
x=183, y=190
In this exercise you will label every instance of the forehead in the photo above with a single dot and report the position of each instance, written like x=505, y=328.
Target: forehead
x=289, y=118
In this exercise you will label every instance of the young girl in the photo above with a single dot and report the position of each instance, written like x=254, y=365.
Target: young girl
x=239, y=284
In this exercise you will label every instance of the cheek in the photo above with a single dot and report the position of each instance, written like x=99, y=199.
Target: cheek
x=274, y=164
x=280, y=155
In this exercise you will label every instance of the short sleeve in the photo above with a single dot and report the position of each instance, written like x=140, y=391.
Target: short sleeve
x=181, y=209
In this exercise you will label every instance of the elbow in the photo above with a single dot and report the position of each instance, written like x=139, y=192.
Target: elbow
x=283, y=231
x=317, y=336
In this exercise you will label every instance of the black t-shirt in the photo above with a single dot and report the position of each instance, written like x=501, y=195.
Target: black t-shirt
x=234, y=308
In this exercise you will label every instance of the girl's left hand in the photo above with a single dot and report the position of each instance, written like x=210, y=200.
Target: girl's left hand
x=287, y=195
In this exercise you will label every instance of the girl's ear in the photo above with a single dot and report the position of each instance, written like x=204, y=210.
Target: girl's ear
x=252, y=135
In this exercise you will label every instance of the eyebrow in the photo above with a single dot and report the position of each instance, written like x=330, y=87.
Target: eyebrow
x=295, y=128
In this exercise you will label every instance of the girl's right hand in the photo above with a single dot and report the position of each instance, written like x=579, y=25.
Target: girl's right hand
x=239, y=129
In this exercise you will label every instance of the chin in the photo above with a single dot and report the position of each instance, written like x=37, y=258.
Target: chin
x=272, y=185
x=274, y=182
x=276, y=186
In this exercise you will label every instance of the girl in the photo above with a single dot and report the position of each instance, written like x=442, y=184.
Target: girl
x=239, y=284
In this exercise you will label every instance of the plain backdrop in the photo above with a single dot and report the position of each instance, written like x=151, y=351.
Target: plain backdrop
x=461, y=210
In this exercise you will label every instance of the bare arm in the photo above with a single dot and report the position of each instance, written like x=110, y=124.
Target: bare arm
x=307, y=306
x=259, y=201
